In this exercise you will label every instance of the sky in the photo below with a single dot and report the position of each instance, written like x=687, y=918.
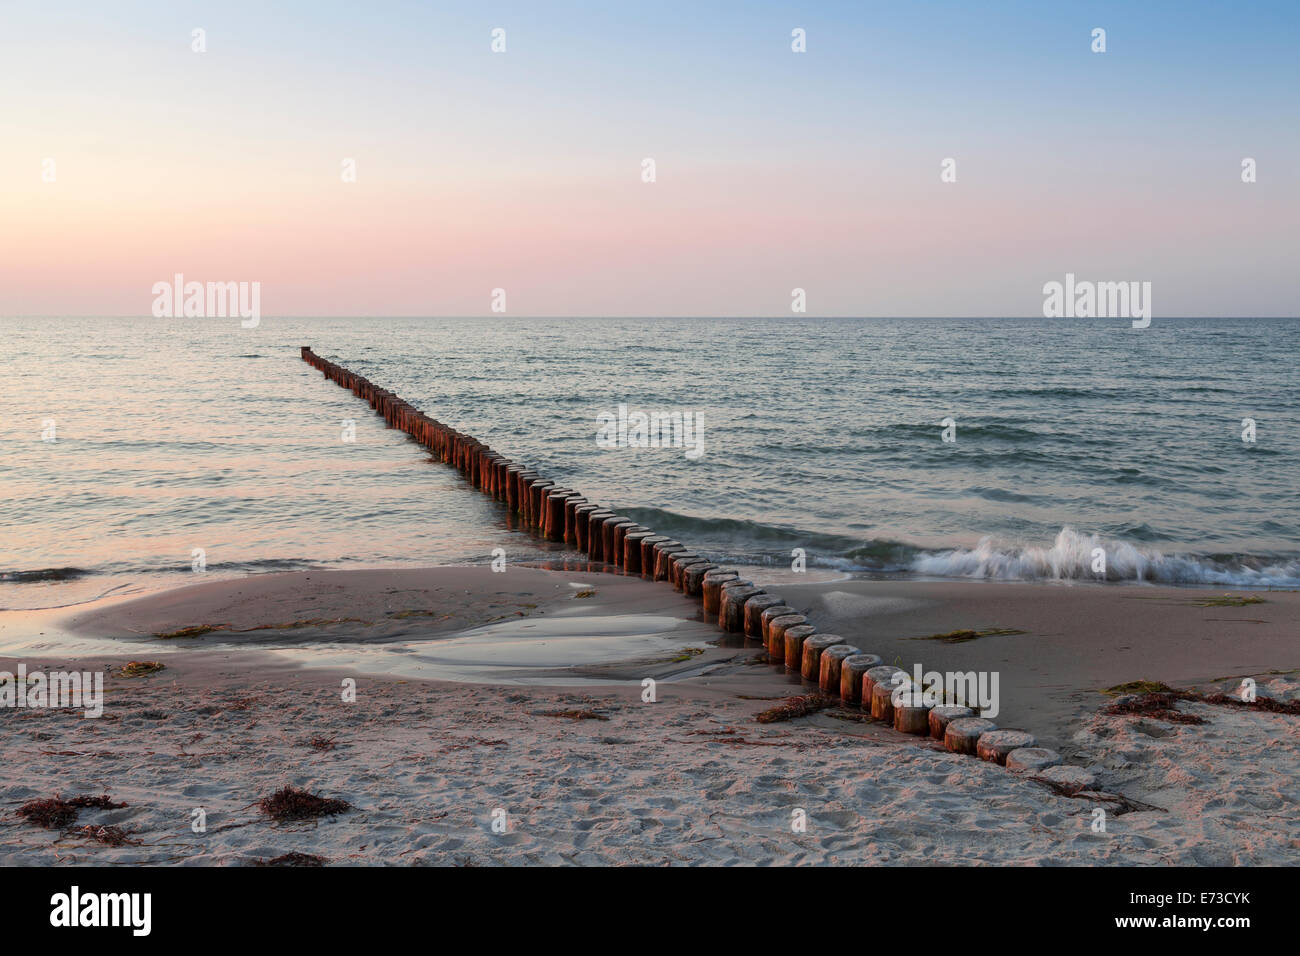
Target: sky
x=523, y=170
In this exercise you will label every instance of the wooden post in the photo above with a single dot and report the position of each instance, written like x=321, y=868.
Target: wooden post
x=912, y=713
x=533, y=487
x=813, y=646
x=882, y=674
x=833, y=657
x=765, y=618
x=693, y=578
x=556, y=502
x=775, y=639
x=544, y=515
x=713, y=581
x=731, y=607
x=581, y=526
x=632, y=550
x=794, y=636
x=512, y=486
x=962, y=735
x=682, y=566
x=648, y=553
x=596, y=533
x=611, y=549
x=621, y=531
x=676, y=562
x=1032, y=758
x=995, y=745
x=882, y=703
x=663, y=555
x=852, y=670
x=569, y=533
x=943, y=715
x=753, y=615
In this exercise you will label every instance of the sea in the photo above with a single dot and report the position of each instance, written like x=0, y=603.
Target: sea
x=138, y=453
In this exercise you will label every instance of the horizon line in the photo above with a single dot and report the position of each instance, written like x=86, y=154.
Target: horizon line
x=499, y=315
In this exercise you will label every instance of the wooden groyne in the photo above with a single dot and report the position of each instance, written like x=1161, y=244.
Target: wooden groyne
x=737, y=606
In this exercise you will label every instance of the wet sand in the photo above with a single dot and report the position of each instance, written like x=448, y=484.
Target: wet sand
x=1078, y=638
x=688, y=778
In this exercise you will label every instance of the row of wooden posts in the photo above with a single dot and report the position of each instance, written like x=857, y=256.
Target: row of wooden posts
x=563, y=515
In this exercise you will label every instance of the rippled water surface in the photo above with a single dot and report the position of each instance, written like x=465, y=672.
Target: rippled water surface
x=175, y=435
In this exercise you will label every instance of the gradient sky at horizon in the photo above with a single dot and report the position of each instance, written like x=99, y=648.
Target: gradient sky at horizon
x=522, y=170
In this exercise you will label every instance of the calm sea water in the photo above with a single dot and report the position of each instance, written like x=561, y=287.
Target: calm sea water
x=175, y=435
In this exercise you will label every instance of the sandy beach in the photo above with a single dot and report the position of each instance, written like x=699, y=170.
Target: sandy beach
x=480, y=693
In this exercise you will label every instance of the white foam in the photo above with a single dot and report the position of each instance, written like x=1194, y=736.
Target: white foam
x=1071, y=557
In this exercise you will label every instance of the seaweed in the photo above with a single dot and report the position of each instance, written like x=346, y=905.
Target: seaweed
x=1160, y=704
x=1139, y=687
x=1117, y=802
x=197, y=630
x=194, y=630
x=109, y=835
x=54, y=812
x=574, y=714
x=1157, y=705
x=1259, y=703
x=293, y=859
x=961, y=636
x=419, y=612
x=140, y=668
x=794, y=707
x=293, y=803
x=1231, y=600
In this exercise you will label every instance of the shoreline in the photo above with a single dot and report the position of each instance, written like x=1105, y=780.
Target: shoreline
x=469, y=623
x=691, y=778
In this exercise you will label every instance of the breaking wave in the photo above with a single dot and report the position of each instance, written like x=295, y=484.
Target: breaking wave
x=1072, y=556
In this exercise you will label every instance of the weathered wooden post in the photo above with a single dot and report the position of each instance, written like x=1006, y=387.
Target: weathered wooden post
x=611, y=556
x=813, y=646
x=647, y=556
x=663, y=558
x=596, y=533
x=553, y=522
x=537, y=503
x=995, y=745
x=753, y=617
x=944, y=714
x=621, y=531
x=512, y=486
x=882, y=703
x=713, y=581
x=793, y=636
x=681, y=567
x=852, y=670
x=765, y=618
x=677, y=562
x=961, y=735
x=731, y=607
x=833, y=657
x=582, y=525
x=882, y=674
x=912, y=713
x=693, y=578
x=632, y=550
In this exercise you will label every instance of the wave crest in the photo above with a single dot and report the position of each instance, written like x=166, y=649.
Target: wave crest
x=1070, y=557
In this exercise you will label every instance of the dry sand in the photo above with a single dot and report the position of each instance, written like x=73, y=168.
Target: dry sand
x=691, y=778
